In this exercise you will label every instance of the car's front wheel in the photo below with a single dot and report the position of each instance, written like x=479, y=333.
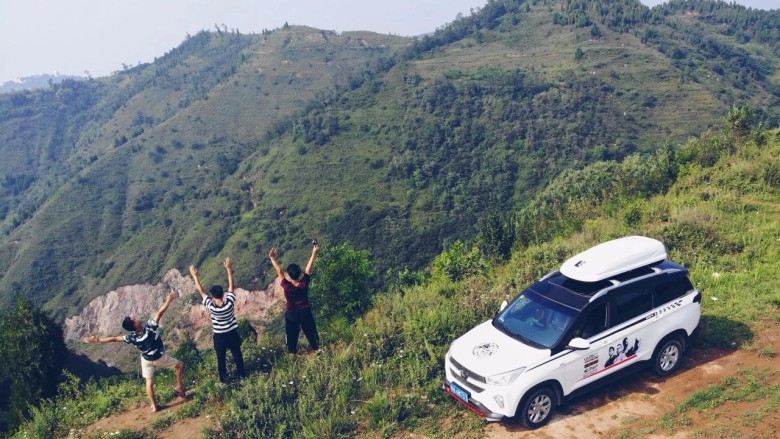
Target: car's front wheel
x=668, y=357
x=537, y=408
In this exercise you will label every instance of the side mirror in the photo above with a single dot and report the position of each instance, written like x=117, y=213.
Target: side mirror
x=578, y=344
x=503, y=306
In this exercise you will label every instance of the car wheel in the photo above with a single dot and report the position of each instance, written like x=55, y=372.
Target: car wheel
x=537, y=408
x=668, y=357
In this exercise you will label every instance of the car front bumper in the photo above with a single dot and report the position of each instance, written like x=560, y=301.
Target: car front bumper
x=474, y=405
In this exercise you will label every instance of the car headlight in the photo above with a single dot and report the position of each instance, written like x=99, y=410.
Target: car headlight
x=505, y=378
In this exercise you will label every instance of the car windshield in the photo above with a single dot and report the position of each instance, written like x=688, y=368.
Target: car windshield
x=534, y=319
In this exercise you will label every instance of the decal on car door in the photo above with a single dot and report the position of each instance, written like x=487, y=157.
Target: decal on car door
x=591, y=365
x=621, y=352
x=616, y=354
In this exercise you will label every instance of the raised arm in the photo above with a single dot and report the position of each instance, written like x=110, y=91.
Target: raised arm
x=96, y=339
x=314, y=251
x=229, y=268
x=194, y=273
x=272, y=255
x=164, y=307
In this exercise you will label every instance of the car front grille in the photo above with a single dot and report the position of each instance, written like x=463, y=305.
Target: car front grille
x=465, y=376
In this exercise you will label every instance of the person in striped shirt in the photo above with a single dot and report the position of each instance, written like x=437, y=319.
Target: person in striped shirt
x=222, y=308
x=148, y=341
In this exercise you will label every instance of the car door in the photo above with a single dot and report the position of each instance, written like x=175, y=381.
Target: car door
x=630, y=321
x=583, y=367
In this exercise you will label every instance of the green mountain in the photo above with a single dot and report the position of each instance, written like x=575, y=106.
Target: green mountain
x=231, y=143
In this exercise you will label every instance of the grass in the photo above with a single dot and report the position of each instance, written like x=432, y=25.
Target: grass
x=748, y=386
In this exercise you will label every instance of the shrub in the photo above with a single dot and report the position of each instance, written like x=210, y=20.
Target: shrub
x=459, y=262
x=188, y=352
x=633, y=214
x=34, y=353
x=246, y=331
x=341, y=284
x=771, y=174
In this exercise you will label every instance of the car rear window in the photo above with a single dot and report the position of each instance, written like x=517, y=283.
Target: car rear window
x=631, y=303
x=667, y=291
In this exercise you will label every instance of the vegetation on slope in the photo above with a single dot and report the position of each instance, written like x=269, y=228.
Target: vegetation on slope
x=143, y=173
x=33, y=353
x=713, y=201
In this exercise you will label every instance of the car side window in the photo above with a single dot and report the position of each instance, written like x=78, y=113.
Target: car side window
x=594, y=322
x=629, y=303
x=669, y=290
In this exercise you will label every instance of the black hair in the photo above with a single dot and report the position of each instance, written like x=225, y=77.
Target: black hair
x=217, y=291
x=128, y=324
x=294, y=271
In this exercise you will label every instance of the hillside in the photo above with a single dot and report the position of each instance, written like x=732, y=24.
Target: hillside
x=717, y=213
x=140, y=168
x=233, y=143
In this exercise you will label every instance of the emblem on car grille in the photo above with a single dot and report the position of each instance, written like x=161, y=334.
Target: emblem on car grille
x=485, y=350
x=464, y=374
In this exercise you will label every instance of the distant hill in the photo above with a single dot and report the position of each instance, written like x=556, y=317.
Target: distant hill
x=35, y=82
x=231, y=143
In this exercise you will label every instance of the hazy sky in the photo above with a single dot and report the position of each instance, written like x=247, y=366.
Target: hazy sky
x=74, y=36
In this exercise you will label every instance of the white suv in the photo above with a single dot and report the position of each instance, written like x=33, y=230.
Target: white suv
x=610, y=307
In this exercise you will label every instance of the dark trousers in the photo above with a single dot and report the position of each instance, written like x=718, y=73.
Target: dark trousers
x=294, y=321
x=223, y=342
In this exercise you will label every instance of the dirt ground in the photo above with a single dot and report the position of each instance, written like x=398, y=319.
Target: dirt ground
x=631, y=409
x=140, y=418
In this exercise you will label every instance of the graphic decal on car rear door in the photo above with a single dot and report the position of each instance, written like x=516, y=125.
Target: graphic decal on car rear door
x=621, y=352
x=616, y=354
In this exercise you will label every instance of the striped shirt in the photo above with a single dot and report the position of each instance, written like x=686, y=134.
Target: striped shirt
x=148, y=342
x=223, y=318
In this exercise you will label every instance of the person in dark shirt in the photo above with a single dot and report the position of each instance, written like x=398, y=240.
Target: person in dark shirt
x=148, y=341
x=222, y=308
x=298, y=315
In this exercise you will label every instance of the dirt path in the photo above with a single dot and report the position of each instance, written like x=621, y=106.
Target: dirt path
x=636, y=409
x=140, y=418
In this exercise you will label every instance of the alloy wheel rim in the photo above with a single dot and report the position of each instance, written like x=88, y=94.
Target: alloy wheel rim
x=539, y=408
x=669, y=357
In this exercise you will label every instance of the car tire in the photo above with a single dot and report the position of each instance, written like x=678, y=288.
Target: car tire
x=537, y=408
x=668, y=356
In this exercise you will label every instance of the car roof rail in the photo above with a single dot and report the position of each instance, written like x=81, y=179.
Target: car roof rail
x=616, y=283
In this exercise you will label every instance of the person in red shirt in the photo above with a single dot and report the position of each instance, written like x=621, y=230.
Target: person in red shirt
x=298, y=315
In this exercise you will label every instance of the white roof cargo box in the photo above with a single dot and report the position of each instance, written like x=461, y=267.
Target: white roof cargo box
x=613, y=257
